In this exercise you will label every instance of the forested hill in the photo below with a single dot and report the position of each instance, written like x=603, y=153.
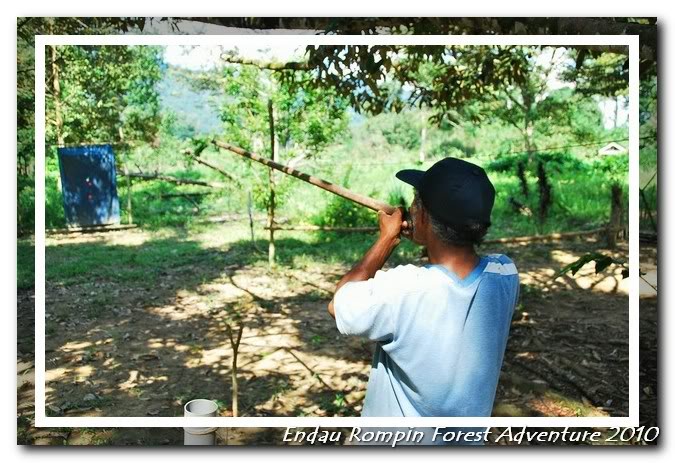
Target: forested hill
x=196, y=111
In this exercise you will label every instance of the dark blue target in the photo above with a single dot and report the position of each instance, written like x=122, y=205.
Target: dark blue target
x=89, y=186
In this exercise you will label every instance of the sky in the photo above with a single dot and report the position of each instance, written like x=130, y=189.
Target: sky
x=208, y=57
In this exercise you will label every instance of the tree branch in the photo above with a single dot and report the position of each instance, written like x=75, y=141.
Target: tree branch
x=458, y=26
x=273, y=66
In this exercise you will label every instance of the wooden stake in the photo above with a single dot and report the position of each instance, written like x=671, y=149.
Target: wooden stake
x=126, y=174
x=271, y=205
x=235, y=354
x=615, y=215
x=249, y=205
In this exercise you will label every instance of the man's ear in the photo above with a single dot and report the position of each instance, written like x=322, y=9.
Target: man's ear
x=423, y=215
x=421, y=226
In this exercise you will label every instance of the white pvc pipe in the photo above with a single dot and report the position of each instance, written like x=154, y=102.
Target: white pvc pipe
x=200, y=436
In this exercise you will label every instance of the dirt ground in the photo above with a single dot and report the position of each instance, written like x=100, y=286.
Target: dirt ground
x=135, y=348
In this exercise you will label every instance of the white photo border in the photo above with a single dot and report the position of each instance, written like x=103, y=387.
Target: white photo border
x=631, y=41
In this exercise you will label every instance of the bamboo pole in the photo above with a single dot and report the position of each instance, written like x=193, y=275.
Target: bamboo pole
x=370, y=203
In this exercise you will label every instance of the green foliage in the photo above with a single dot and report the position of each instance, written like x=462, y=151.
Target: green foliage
x=603, y=74
x=403, y=130
x=614, y=169
x=453, y=148
x=25, y=264
x=54, y=215
x=344, y=213
x=442, y=78
x=108, y=94
x=304, y=118
x=558, y=162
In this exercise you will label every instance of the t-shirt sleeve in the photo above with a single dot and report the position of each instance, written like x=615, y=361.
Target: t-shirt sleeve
x=369, y=308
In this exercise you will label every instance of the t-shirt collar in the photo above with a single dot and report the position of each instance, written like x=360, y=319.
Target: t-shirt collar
x=466, y=281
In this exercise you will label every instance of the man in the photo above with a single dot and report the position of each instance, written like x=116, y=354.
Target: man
x=440, y=329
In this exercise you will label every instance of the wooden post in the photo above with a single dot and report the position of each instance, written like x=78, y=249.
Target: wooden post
x=126, y=174
x=249, y=206
x=271, y=205
x=235, y=354
x=615, y=214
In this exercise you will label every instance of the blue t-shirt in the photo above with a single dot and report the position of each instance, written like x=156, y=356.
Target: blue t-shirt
x=440, y=339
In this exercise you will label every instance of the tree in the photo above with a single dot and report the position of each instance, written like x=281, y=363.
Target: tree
x=27, y=29
x=107, y=94
x=478, y=84
x=306, y=119
x=644, y=27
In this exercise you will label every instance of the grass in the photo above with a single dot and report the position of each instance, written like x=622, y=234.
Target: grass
x=178, y=240
x=25, y=264
x=92, y=262
x=198, y=253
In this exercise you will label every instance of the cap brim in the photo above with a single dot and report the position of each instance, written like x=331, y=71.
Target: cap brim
x=410, y=176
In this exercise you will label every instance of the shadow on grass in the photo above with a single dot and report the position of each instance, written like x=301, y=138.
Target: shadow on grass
x=120, y=345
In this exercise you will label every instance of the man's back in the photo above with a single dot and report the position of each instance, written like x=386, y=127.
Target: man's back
x=441, y=339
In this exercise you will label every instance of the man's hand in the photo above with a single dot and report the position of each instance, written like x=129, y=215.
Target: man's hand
x=391, y=225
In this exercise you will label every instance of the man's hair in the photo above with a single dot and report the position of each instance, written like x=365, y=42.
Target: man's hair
x=470, y=234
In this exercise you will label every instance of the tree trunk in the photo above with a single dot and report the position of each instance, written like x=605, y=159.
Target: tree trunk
x=615, y=214
x=530, y=145
x=522, y=177
x=56, y=92
x=545, y=194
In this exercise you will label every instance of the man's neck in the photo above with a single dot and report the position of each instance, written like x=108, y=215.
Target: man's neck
x=458, y=259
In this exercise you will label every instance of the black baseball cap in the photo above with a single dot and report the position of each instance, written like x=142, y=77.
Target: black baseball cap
x=454, y=191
